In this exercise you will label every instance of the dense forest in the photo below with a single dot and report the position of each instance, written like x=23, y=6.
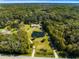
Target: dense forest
x=61, y=22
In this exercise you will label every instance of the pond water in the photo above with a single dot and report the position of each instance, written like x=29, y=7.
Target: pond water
x=38, y=34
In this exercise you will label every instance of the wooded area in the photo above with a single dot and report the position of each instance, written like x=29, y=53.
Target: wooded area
x=61, y=22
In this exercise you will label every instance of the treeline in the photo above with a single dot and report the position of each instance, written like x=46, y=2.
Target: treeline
x=63, y=28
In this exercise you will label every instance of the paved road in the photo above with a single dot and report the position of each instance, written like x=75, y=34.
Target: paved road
x=22, y=57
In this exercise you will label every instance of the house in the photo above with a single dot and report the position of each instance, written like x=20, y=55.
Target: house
x=36, y=25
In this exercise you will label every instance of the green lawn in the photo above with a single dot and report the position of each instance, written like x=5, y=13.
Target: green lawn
x=1, y=30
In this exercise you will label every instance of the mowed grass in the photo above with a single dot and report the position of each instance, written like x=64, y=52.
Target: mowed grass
x=37, y=29
x=1, y=30
x=42, y=43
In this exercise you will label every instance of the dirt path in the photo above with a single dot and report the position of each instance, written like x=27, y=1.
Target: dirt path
x=33, y=52
x=55, y=54
x=33, y=47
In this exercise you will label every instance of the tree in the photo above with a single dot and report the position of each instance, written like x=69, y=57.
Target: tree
x=24, y=40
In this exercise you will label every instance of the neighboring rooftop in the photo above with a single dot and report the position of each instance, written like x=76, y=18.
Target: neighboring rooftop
x=36, y=25
x=3, y=31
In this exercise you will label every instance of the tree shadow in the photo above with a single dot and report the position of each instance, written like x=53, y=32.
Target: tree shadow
x=9, y=54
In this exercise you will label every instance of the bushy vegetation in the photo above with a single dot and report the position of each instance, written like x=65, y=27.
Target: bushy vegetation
x=60, y=22
x=16, y=43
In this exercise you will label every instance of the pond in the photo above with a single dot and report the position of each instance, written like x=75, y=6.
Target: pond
x=38, y=34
